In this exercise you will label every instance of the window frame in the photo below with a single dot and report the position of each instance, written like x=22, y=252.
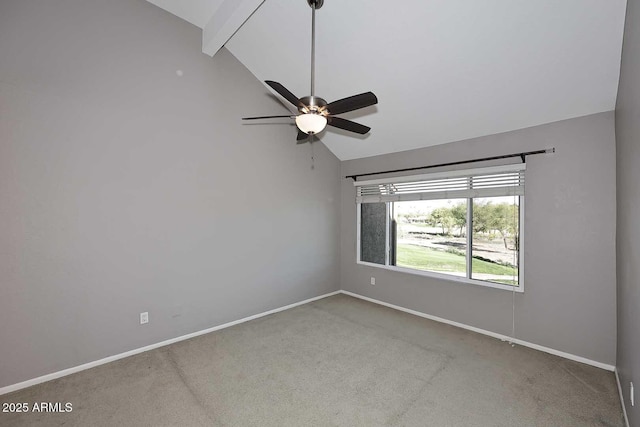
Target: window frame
x=444, y=276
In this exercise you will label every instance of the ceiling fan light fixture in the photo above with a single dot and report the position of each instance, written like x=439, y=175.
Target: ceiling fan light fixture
x=311, y=123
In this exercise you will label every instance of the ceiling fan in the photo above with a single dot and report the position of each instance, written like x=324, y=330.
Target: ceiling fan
x=314, y=112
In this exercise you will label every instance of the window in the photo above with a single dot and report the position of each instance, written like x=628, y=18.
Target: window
x=462, y=225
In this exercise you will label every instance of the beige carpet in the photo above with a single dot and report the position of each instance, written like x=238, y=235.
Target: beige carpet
x=338, y=361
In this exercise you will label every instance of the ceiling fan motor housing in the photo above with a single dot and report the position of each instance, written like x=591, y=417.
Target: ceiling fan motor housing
x=313, y=104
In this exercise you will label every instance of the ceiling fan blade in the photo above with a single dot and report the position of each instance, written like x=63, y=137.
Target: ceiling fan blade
x=302, y=137
x=283, y=91
x=351, y=103
x=340, y=123
x=267, y=117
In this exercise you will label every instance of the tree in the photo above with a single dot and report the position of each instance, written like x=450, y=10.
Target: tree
x=443, y=218
x=502, y=218
x=459, y=215
x=481, y=217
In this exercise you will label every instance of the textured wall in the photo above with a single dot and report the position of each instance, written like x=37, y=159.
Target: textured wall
x=373, y=236
x=569, y=303
x=126, y=188
x=628, y=242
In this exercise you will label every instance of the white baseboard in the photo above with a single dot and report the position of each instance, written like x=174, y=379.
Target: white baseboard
x=624, y=408
x=489, y=333
x=73, y=370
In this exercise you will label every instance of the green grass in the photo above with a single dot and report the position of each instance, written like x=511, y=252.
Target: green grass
x=481, y=266
x=423, y=258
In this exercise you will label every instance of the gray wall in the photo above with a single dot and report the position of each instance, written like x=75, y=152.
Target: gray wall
x=569, y=303
x=126, y=188
x=628, y=241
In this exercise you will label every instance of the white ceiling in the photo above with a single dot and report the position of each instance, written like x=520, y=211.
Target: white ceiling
x=443, y=70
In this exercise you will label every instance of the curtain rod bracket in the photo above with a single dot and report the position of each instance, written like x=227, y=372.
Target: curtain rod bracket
x=523, y=157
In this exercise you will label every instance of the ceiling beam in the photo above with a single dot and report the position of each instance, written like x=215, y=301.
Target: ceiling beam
x=224, y=23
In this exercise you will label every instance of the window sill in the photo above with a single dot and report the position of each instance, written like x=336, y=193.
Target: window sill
x=447, y=277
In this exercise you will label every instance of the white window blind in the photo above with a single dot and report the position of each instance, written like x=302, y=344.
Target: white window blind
x=483, y=182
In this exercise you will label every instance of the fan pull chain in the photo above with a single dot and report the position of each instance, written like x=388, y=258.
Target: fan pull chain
x=313, y=157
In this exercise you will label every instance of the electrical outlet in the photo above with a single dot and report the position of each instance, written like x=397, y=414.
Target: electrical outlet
x=632, y=398
x=144, y=317
x=373, y=281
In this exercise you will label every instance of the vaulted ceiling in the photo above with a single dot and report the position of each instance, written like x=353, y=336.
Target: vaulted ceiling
x=443, y=70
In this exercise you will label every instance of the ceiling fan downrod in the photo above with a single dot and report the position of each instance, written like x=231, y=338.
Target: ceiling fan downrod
x=315, y=5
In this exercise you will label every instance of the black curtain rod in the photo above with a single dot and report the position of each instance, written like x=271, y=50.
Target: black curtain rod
x=462, y=162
